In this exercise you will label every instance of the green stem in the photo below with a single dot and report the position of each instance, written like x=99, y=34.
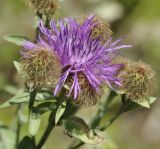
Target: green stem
x=51, y=124
x=30, y=106
x=102, y=110
x=32, y=99
x=119, y=112
x=122, y=109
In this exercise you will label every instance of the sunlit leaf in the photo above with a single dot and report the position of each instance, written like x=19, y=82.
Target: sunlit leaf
x=34, y=123
x=42, y=95
x=20, y=97
x=60, y=111
x=16, y=39
x=146, y=103
x=23, y=97
x=76, y=127
x=45, y=107
x=152, y=100
x=18, y=66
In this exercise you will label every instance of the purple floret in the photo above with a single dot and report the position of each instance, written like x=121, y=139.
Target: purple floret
x=79, y=52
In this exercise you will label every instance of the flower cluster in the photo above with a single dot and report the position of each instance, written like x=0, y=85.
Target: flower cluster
x=86, y=63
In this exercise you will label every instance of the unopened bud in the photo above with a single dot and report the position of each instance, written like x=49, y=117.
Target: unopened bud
x=41, y=68
x=102, y=29
x=137, y=80
x=46, y=7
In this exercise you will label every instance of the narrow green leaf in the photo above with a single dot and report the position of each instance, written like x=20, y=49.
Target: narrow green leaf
x=16, y=39
x=152, y=100
x=45, y=107
x=144, y=104
x=20, y=97
x=60, y=111
x=41, y=96
x=147, y=102
x=23, y=97
x=76, y=127
x=18, y=66
x=34, y=123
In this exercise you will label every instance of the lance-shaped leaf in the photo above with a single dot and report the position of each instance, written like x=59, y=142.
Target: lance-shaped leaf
x=34, y=123
x=60, y=111
x=23, y=97
x=151, y=100
x=45, y=107
x=16, y=39
x=20, y=97
x=76, y=127
x=146, y=102
x=44, y=95
x=18, y=66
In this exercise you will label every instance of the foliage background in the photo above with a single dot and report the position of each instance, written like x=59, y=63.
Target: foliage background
x=138, y=20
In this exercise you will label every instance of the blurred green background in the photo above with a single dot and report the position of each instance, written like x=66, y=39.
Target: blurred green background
x=137, y=20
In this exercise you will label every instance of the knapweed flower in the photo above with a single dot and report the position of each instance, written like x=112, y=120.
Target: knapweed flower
x=137, y=80
x=41, y=66
x=46, y=7
x=86, y=62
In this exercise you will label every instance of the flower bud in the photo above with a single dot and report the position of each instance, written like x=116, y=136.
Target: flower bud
x=41, y=68
x=46, y=7
x=137, y=80
x=101, y=30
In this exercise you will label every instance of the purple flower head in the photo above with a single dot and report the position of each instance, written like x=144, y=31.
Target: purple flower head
x=79, y=53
